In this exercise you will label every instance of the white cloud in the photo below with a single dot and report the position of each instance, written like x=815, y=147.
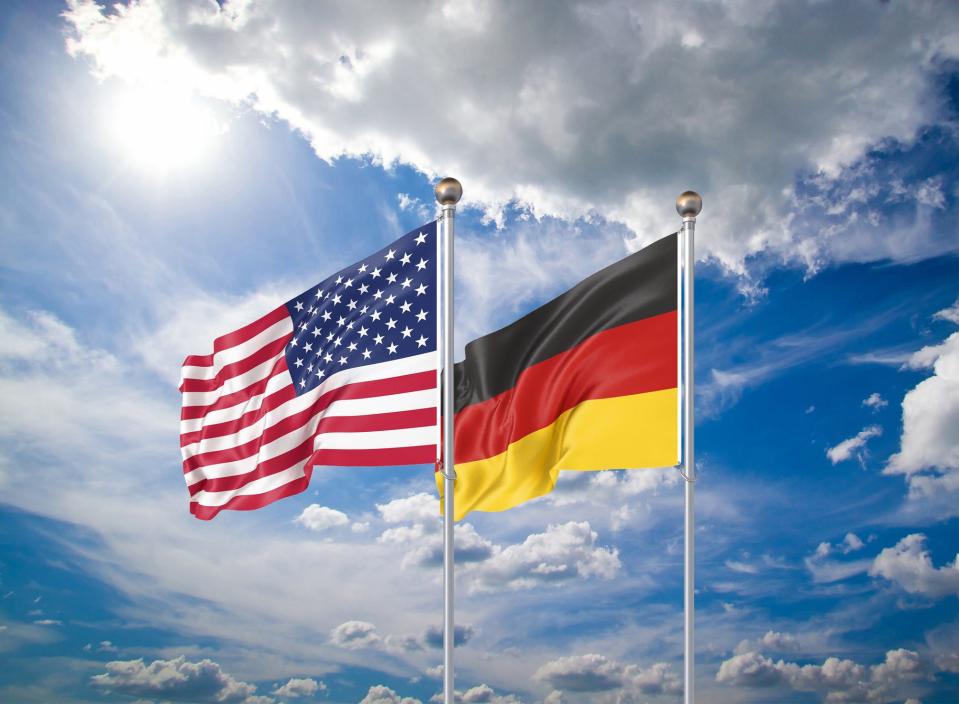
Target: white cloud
x=838, y=681
x=320, y=518
x=176, y=680
x=909, y=565
x=771, y=640
x=564, y=112
x=300, y=687
x=563, y=553
x=417, y=508
x=596, y=673
x=853, y=447
x=825, y=570
x=875, y=402
x=929, y=447
x=480, y=694
x=380, y=694
x=851, y=543
x=354, y=635
x=950, y=314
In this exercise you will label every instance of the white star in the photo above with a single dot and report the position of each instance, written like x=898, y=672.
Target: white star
x=420, y=238
x=421, y=289
x=351, y=305
x=309, y=367
x=390, y=254
x=364, y=309
x=391, y=278
x=319, y=293
x=362, y=269
x=338, y=341
x=390, y=299
x=390, y=324
x=351, y=347
x=421, y=264
x=376, y=272
x=366, y=354
x=303, y=325
x=327, y=315
x=316, y=331
x=308, y=347
x=407, y=282
x=327, y=358
x=407, y=332
x=302, y=383
x=392, y=348
x=421, y=342
x=376, y=315
x=362, y=331
x=293, y=342
x=339, y=279
x=299, y=305
x=336, y=299
x=405, y=258
x=348, y=283
x=378, y=294
x=341, y=321
x=329, y=336
x=378, y=339
x=321, y=373
x=349, y=325
x=298, y=362
x=406, y=307
x=342, y=360
x=364, y=288
x=421, y=316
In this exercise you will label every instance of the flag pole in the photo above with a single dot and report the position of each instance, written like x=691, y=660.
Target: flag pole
x=448, y=192
x=689, y=205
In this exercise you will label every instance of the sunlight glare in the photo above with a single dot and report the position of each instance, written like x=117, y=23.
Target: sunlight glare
x=162, y=131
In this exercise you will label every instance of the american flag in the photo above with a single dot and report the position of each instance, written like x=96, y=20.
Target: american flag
x=344, y=374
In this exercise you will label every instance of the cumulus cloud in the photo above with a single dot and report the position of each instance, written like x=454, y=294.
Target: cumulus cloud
x=950, y=314
x=381, y=694
x=853, y=447
x=565, y=109
x=564, y=552
x=354, y=635
x=875, y=402
x=592, y=673
x=433, y=636
x=929, y=447
x=480, y=694
x=771, y=640
x=320, y=518
x=425, y=549
x=300, y=687
x=836, y=680
x=417, y=508
x=177, y=680
x=909, y=565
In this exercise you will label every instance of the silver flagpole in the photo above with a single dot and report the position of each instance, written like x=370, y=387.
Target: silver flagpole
x=448, y=192
x=689, y=205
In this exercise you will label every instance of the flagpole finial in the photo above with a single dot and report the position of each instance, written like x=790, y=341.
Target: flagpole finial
x=448, y=191
x=689, y=205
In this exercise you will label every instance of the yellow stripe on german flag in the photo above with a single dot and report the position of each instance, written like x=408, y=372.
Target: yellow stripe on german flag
x=586, y=382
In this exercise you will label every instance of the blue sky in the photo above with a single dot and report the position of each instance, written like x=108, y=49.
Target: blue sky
x=172, y=170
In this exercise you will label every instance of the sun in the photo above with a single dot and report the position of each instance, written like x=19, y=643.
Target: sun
x=162, y=131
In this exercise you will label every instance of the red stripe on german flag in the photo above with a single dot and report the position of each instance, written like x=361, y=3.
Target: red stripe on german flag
x=586, y=382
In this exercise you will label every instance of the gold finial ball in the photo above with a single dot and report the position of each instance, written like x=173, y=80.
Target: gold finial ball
x=689, y=204
x=448, y=191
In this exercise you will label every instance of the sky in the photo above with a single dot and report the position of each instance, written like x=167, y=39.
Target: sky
x=172, y=169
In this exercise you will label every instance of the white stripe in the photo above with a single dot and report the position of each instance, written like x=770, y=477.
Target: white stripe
x=410, y=401
x=257, y=486
x=383, y=370
x=376, y=439
x=235, y=383
x=242, y=351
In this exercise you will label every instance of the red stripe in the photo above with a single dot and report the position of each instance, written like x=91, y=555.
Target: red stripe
x=264, y=354
x=231, y=399
x=254, y=501
x=633, y=358
x=419, y=381
x=376, y=457
x=237, y=337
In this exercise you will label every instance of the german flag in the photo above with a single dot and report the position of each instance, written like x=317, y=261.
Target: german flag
x=586, y=382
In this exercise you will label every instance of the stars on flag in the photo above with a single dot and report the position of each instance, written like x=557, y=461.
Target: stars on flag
x=343, y=325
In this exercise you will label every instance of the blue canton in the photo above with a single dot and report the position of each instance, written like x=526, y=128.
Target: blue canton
x=381, y=308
